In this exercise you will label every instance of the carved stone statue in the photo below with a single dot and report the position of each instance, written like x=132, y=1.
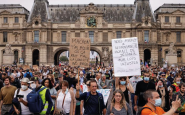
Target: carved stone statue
x=171, y=49
x=105, y=51
x=8, y=49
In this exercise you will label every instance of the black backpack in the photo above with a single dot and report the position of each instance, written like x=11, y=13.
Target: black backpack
x=139, y=112
x=28, y=75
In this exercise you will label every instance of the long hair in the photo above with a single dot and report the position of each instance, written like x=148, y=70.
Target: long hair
x=123, y=102
x=50, y=84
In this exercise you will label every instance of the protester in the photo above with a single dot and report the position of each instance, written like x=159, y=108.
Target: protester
x=47, y=83
x=154, y=101
x=141, y=87
x=124, y=85
x=171, y=77
x=65, y=101
x=24, y=91
x=104, y=82
x=45, y=96
x=28, y=74
x=164, y=95
x=6, y=96
x=15, y=82
x=98, y=80
x=176, y=84
x=118, y=106
x=181, y=96
x=93, y=101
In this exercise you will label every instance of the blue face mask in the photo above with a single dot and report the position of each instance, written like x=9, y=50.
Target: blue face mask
x=122, y=82
x=146, y=78
x=178, y=82
x=66, y=91
x=158, y=102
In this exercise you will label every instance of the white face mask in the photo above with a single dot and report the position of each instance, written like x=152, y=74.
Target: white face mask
x=33, y=86
x=24, y=87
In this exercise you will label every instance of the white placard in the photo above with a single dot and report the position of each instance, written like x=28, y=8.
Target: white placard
x=104, y=92
x=126, y=57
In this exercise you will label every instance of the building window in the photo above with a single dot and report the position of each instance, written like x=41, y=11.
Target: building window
x=178, y=19
x=166, y=18
x=16, y=55
x=91, y=36
x=105, y=37
x=36, y=36
x=118, y=34
x=77, y=34
x=5, y=20
x=63, y=36
x=179, y=56
x=178, y=34
x=16, y=20
x=5, y=36
x=146, y=36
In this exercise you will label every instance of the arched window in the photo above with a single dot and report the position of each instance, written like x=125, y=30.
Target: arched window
x=16, y=55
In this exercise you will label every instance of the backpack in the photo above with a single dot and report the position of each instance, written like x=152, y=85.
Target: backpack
x=35, y=103
x=100, y=96
x=28, y=75
x=139, y=112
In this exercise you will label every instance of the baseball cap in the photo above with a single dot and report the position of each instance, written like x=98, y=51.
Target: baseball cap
x=26, y=80
x=162, y=73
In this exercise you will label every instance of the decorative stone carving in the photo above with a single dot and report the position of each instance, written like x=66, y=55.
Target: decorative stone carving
x=91, y=9
x=105, y=51
x=171, y=49
x=8, y=49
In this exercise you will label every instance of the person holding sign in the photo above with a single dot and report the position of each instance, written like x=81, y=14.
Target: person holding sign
x=118, y=106
x=124, y=85
x=93, y=101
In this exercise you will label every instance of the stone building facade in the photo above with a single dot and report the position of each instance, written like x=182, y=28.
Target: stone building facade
x=40, y=35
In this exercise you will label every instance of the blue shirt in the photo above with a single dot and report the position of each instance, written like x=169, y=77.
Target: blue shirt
x=28, y=73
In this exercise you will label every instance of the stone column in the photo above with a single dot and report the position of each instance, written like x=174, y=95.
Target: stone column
x=28, y=55
x=43, y=55
x=105, y=58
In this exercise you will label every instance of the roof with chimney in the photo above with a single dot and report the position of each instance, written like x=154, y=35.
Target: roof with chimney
x=114, y=13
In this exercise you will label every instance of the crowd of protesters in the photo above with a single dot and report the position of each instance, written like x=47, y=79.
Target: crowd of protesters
x=157, y=90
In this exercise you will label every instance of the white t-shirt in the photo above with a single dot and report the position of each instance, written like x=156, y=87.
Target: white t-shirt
x=134, y=81
x=24, y=109
x=67, y=102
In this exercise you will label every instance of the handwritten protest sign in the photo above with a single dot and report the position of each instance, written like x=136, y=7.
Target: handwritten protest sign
x=104, y=92
x=35, y=67
x=126, y=57
x=79, y=52
x=25, y=67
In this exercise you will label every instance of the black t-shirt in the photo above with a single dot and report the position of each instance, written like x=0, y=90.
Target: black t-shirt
x=141, y=87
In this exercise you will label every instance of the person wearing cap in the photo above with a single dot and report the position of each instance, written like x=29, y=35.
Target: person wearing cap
x=171, y=77
x=24, y=91
x=6, y=96
x=45, y=96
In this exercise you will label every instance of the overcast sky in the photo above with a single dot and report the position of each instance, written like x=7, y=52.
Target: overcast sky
x=28, y=3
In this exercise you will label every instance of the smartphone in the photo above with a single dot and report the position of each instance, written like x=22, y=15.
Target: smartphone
x=20, y=96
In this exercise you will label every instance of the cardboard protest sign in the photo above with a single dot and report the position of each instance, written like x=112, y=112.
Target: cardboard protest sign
x=126, y=57
x=104, y=92
x=79, y=52
x=25, y=67
x=35, y=67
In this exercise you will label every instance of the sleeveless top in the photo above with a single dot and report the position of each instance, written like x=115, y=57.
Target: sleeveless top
x=126, y=95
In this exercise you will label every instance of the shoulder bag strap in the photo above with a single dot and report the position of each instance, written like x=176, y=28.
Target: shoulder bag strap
x=18, y=90
x=63, y=100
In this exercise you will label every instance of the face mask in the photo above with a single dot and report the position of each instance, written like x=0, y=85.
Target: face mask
x=24, y=87
x=178, y=82
x=122, y=82
x=66, y=91
x=136, y=77
x=33, y=86
x=160, y=86
x=146, y=78
x=158, y=102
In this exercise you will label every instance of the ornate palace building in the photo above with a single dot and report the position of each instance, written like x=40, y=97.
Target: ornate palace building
x=40, y=35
